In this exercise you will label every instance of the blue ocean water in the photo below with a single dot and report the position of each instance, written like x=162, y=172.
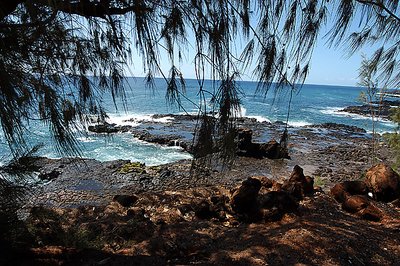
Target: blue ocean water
x=312, y=104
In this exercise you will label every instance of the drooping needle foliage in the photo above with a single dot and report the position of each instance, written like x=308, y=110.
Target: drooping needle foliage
x=57, y=57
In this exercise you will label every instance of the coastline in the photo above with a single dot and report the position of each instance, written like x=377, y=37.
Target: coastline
x=122, y=212
x=329, y=152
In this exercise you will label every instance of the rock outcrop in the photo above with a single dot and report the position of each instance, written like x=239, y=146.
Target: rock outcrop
x=244, y=199
x=383, y=182
x=343, y=190
x=104, y=128
x=248, y=148
x=299, y=185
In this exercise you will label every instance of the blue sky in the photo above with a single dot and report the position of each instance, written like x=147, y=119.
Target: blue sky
x=329, y=66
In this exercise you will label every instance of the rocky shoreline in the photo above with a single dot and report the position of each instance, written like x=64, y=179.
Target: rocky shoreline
x=329, y=152
x=260, y=211
x=380, y=109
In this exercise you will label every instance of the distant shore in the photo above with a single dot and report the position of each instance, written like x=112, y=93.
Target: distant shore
x=383, y=109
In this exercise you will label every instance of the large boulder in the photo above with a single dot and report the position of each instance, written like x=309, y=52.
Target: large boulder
x=281, y=200
x=244, y=199
x=248, y=148
x=355, y=203
x=103, y=128
x=343, y=190
x=274, y=150
x=298, y=184
x=383, y=182
x=50, y=175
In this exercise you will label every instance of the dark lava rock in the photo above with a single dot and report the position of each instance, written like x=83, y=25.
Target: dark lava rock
x=203, y=210
x=244, y=199
x=383, y=108
x=265, y=181
x=271, y=149
x=355, y=203
x=299, y=185
x=104, y=128
x=125, y=200
x=274, y=204
x=281, y=200
x=356, y=187
x=383, y=182
x=216, y=207
x=49, y=175
x=274, y=150
x=340, y=127
x=371, y=213
x=347, y=188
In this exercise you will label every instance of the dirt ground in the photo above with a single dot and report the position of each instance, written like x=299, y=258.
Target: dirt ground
x=162, y=229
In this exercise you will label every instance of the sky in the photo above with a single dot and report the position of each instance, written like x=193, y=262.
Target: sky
x=329, y=66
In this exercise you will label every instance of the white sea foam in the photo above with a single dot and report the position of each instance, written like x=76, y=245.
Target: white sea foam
x=135, y=119
x=299, y=123
x=242, y=111
x=149, y=153
x=331, y=110
x=86, y=139
x=335, y=111
x=259, y=118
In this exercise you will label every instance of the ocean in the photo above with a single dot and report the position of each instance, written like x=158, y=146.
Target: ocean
x=312, y=104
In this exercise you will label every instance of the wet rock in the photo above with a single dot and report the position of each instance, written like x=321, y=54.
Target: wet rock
x=382, y=107
x=244, y=199
x=341, y=127
x=125, y=200
x=53, y=174
x=383, y=182
x=103, y=128
x=356, y=203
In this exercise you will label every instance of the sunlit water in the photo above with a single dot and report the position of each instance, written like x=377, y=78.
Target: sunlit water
x=313, y=104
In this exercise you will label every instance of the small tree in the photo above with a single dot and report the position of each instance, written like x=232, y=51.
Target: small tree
x=372, y=96
x=393, y=139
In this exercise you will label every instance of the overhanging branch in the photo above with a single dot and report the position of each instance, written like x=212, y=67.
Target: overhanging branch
x=380, y=5
x=100, y=9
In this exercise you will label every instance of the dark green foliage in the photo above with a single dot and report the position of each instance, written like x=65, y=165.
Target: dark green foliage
x=393, y=139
